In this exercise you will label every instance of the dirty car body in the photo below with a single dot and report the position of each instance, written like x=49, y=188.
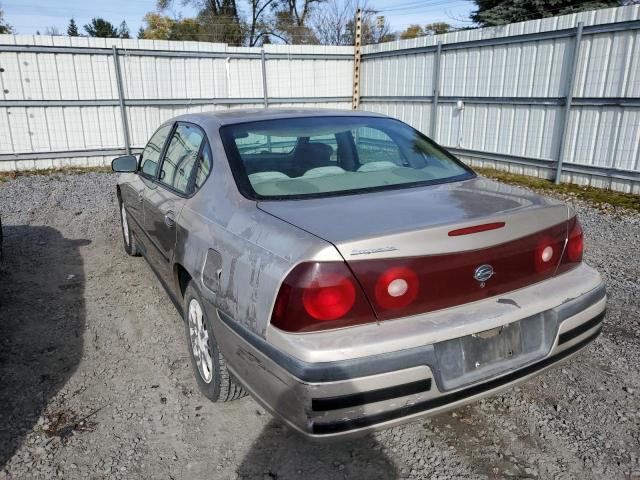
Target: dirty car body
x=355, y=274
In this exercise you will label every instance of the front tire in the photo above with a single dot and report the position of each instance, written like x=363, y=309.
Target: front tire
x=129, y=240
x=209, y=367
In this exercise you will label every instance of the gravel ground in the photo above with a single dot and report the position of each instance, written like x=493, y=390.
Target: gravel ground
x=95, y=378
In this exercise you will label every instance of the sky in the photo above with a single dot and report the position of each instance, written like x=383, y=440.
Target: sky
x=29, y=16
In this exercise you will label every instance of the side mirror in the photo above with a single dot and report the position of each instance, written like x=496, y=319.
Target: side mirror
x=128, y=163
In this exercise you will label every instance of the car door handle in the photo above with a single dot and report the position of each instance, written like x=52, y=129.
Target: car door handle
x=170, y=219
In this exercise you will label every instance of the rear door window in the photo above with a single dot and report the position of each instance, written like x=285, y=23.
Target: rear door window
x=151, y=153
x=180, y=158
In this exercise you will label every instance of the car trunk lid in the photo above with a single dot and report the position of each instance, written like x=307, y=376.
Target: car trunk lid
x=426, y=238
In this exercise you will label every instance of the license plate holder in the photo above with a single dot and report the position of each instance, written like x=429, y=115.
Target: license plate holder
x=484, y=348
x=489, y=353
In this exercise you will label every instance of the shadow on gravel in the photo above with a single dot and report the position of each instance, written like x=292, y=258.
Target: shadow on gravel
x=42, y=320
x=280, y=453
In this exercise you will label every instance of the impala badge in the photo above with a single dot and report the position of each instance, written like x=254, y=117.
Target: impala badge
x=483, y=273
x=369, y=251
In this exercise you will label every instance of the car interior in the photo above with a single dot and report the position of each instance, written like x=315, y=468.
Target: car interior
x=291, y=163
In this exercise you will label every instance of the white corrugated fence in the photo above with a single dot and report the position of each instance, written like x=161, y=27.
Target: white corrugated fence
x=66, y=100
x=513, y=97
x=521, y=96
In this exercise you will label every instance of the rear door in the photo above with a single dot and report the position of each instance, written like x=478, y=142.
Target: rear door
x=174, y=185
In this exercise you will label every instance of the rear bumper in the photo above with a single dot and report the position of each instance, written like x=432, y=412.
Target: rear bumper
x=349, y=397
x=442, y=401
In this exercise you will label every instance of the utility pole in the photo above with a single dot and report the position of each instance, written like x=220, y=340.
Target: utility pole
x=356, y=61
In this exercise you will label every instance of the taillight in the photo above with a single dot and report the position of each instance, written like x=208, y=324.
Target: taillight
x=403, y=286
x=319, y=296
x=575, y=247
x=326, y=295
x=396, y=287
x=575, y=244
x=329, y=297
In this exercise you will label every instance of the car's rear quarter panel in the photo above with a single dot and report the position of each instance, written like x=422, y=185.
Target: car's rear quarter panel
x=257, y=249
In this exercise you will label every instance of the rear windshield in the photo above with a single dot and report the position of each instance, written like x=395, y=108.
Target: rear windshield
x=321, y=156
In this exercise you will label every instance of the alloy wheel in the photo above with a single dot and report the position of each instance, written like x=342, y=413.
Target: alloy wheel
x=125, y=226
x=200, y=341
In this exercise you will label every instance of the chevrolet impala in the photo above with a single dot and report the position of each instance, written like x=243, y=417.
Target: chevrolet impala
x=349, y=273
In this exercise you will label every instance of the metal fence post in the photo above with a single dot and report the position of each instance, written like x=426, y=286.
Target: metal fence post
x=436, y=90
x=263, y=60
x=568, y=99
x=123, y=109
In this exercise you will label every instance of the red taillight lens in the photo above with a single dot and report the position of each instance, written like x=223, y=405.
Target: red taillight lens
x=329, y=297
x=436, y=282
x=575, y=244
x=320, y=296
x=326, y=295
x=396, y=287
x=574, y=248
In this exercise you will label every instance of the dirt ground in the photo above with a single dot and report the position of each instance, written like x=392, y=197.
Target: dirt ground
x=95, y=379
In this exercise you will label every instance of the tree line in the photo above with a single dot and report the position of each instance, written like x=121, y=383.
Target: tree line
x=325, y=22
x=328, y=22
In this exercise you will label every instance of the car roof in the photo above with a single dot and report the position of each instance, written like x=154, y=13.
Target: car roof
x=233, y=116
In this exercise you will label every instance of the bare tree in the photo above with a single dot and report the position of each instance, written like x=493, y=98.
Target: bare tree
x=216, y=7
x=292, y=20
x=219, y=20
x=259, y=25
x=299, y=10
x=53, y=31
x=332, y=23
x=375, y=28
x=335, y=24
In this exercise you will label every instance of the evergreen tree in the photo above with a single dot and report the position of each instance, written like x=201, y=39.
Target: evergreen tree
x=4, y=26
x=123, y=31
x=72, y=29
x=99, y=27
x=500, y=12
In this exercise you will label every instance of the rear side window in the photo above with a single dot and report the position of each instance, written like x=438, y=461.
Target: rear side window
x=376, y=146
x=203, y=165
x=182, y=154
x=151, y=153
x=256, y=143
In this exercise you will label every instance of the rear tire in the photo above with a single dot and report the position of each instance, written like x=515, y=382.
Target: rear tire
x=128, y=238
x=209, y=366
